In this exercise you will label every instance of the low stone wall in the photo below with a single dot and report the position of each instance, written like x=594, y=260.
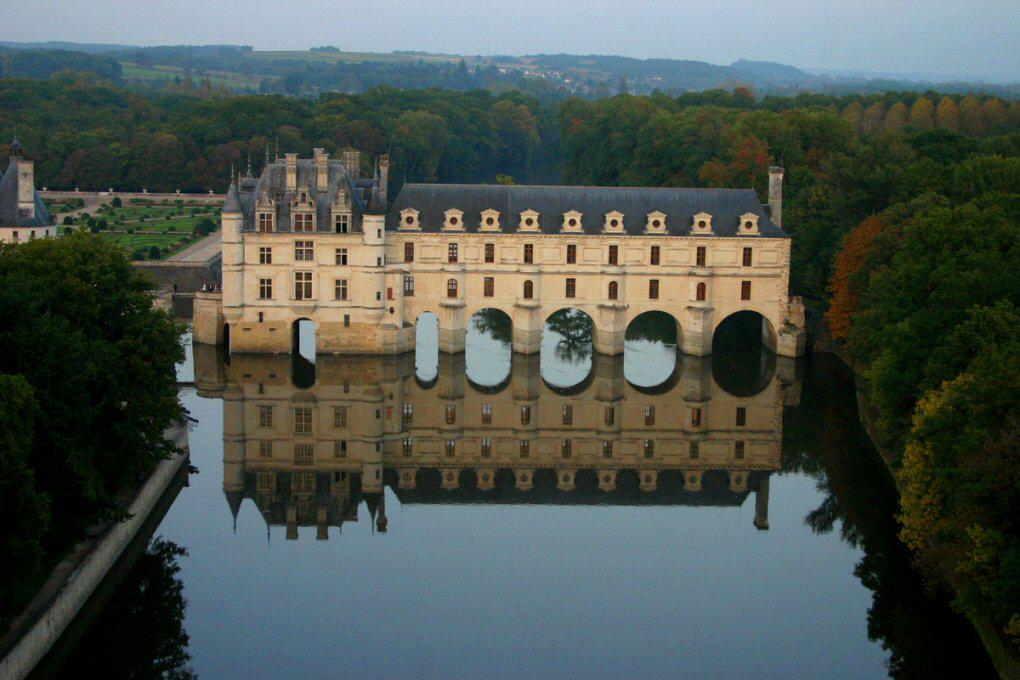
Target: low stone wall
x=86, y=577
x=128, y=195
x=189, y=277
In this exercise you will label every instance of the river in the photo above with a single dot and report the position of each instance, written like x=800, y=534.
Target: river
x=563, y=515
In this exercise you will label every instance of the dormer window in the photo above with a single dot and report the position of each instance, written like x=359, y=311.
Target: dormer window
x=409, y=219
x=572, y=221
x=342, y=222
x=454, y=220
x=748, y=224
x=614, y=222
x=529, y=221
x=702, y=224
x=490, y=220
x=656, y=223
x=265, y=221
x=303, y=221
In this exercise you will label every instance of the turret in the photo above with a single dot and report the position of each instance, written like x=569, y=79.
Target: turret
x=232, y=221
x=776, y=195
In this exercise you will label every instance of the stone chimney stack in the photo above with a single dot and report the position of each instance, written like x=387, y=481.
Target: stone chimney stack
x=321, y=170
x=776, y=195
x=384, y=175
x=291, y=161
x=352, y=162
x=761, y=505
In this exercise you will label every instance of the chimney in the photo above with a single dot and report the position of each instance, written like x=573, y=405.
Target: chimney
x=352, y=162
x=321, y=170
x=761, y=504
x=26, y=186
x=291, y=161
x=384, y=175
x=776, y=195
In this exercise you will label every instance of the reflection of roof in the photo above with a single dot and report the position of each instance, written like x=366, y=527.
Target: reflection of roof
x=273, y=506
x=551, y=202
x=9, y=214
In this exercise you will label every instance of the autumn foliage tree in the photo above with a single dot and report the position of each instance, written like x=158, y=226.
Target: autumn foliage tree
x=845, y=287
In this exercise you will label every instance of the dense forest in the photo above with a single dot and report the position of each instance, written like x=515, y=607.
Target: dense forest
x=901, y=207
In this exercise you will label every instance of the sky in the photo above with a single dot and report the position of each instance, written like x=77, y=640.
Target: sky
x=967, y=39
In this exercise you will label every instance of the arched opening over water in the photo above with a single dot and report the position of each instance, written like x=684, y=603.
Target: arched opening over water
x=302, y=352
x=226, y=341
x=567, y=348
x=650, y=349
x=488, y=347
x=426, y=348
x=742, y=363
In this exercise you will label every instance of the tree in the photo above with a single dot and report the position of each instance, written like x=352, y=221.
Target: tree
x=947, y=115
x=116, y=202
x=874, y=115
x=896, y=117
x=921, y=114
x=154, y=252
x=847, y=280
x=972, y=118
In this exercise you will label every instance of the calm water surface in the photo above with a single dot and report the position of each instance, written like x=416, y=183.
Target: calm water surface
x=566, y=515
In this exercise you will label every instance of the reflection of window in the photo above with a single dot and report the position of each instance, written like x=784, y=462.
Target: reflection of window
x=265, y=416
x=525, y=415
x=406, y=414
x=266, y=448
x=451, y=288
x=302, y=421
x=614, y=290
x=607, y=449
x=738, y=450
x=451, y=447
x=696, y=417
x=486, y=414
x=529, y=290
x=525, y=448
x=340, y=449
x=340, y=416
x=566, y=447
x=649, y=415
x=568, y=414
x=486, y=446
x=407, y=446
x=701, y=291
x=649, y=448
x=303, y=454
x=695, y=450
x=741, y=416
x=609, y=415
x=451, y=414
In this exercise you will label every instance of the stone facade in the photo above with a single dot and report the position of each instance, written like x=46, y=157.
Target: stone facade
x=309, y=455
x=23, y=216
x=309, y=239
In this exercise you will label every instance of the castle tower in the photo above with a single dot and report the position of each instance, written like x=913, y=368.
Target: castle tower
x=232, y=220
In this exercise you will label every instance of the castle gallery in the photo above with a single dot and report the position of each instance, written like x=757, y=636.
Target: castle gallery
x=312, y=239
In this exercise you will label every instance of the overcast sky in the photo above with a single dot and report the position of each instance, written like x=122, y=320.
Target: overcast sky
x=975, y=38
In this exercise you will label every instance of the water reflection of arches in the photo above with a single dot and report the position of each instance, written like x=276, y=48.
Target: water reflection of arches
x=426, y=353
x=651, y=349
x=488, y=353
x=567, y=350
x=303, y=353
x=744, y=331
x=743, y=361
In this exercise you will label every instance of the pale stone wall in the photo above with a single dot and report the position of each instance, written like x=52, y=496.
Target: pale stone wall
x=377, y=317
x=23, y=234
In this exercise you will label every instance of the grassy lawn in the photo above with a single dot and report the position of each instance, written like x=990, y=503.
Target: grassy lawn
x=135, y=241
x=134, y=71
x=157, y=217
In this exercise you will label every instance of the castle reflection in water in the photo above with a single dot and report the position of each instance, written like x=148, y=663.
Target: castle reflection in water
x=309, y=456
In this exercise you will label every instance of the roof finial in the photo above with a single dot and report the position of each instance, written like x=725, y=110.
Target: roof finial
x=247, y=172
x=16, y=147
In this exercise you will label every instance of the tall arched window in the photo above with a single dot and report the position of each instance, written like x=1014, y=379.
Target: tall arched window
x=451, y=288
x=529, y=290
x=451, y=414
x=614, y=290
x=701, y=291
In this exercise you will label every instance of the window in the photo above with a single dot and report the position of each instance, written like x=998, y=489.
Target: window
x=451, y=447
x=408, y=252
x=389, y=292
x=378, y=295
x=408, y=286
x=266, y=448
x=486, y=414
x=490, y=252
x=745, y=290
x=343, y=223
x=741, y=416
x=451, y=414
x=568, y=414
x=489, y=285
x=347, y=320
x=406, y=415
x=529, y=253
x=378, y=262
x=566, y=447
x=571, y=288
x=451, y=252
x=529, y=290
x=265, y=256
x=747, y=257
x=609, y=415
x=649, y=415
x=738, y=450
x=341, y=257
x=302, y=285
x=571, y=254
x=653, y=289
x=265, y=221
x=654, y=256
x=340, y=289
x=696, y=417
x=649, y=448
x=525, y=448
x=614, y=254
x=304, y=222
x=614, y=290
x=265, y=289
x=607, y=449
x=700, y=257
x=340, y=448
x=525, y=415
x=695, y=450
x=486, y=446
x=304, y=251
x=265, y=416
x=302, y=421
x=700, y=292
x=303, y=454
x=407, y=446
x=340, y=416
x=451, y=288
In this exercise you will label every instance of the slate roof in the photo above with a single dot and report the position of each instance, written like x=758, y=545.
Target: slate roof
x=551, y=202
x=9, y=216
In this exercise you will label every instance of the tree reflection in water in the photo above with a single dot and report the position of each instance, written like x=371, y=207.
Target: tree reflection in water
x=140, y=633
x=494, y=323
x=575, y=329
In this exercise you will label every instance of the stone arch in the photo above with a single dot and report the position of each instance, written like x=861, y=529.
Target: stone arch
x=742, y=327
x=743, y=353
x=426, y=348
x=302, y=352
x=652, y=349
x=488, y=350
x=568, y=347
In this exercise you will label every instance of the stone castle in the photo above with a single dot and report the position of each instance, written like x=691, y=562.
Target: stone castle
x=23, y=217
x=313, y=239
